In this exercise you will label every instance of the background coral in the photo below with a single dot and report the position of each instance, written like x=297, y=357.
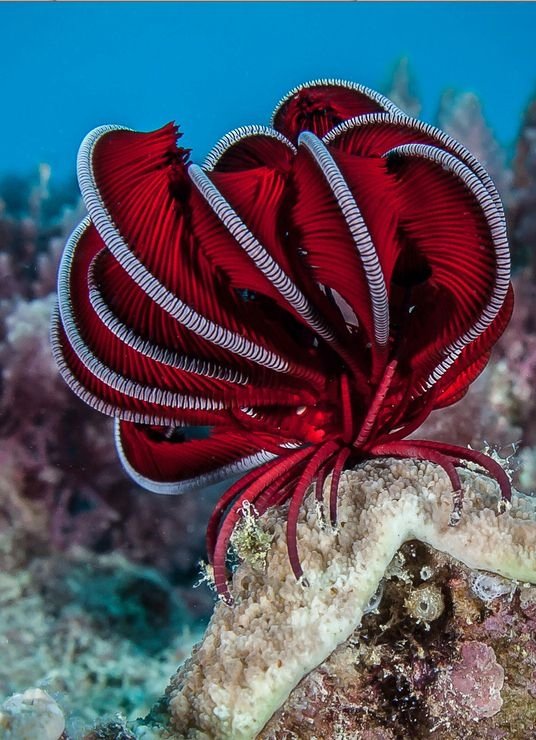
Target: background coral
x=523, y=198
x=99, y=634
x=49, y=437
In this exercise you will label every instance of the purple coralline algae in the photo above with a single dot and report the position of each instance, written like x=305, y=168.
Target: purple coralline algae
x=477, y=680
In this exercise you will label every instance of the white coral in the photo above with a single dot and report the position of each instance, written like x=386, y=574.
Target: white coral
x=255, y=653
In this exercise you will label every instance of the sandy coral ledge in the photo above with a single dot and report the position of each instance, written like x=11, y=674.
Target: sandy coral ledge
x=256, y=652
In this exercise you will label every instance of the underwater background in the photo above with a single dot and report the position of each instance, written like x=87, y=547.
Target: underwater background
x=97, y=597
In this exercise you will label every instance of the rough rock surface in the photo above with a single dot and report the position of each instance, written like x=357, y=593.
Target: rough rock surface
x=471, y=672
x=254, y=654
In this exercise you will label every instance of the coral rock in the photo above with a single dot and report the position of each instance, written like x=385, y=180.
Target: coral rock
x=31, y=715
x=256, y=652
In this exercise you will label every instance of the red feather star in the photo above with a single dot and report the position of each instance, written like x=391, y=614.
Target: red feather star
x=310, y=294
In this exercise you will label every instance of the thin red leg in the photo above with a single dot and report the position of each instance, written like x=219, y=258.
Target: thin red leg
x=341, y=459
x=376, y=404
x=320, y=457
x=347, y=416
x=320, y=481
x=411, y=426
x=493, y=468
x=277, y=492
x=414, y=449
x=249, y=493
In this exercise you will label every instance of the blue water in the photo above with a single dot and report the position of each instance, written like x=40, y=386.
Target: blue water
x=68, y=67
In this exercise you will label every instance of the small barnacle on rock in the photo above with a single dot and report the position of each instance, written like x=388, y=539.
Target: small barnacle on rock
x=425, y=604
x=250, y=541
x=397, y=569
x=375, y=599
x=488, y=587
x=426, y=572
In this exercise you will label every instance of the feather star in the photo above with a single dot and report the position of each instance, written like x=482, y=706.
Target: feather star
x=310, y=294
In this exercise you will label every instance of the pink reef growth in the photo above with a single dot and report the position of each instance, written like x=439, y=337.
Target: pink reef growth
x=477, y=680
